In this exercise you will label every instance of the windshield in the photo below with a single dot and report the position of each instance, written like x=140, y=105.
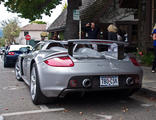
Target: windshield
x=96, y=51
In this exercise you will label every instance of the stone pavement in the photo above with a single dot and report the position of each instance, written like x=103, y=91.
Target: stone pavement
x=149, y=80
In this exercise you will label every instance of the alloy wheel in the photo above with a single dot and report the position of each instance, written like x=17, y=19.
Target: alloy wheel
x=33, y=83
x=17, y=71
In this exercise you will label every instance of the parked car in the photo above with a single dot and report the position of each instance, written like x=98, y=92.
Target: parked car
x=52, y=71
x=2, y=50
x=12, y=52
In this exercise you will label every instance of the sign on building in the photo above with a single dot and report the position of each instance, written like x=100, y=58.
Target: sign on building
x=76, y=14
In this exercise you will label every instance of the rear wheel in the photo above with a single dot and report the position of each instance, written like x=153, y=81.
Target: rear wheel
x=5, y=63
x=18, y=72
x=35, y=91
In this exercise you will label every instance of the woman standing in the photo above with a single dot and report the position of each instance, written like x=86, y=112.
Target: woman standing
x=154, y=44
x=112, y=32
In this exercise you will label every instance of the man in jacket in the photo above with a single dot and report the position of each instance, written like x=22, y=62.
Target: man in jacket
x=92, y=31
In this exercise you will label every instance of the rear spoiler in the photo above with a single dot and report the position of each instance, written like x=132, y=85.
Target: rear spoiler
x=121, y=45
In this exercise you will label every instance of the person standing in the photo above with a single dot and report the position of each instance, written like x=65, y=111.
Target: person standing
x=112, y=32
x=91, y=30
x=154, y=44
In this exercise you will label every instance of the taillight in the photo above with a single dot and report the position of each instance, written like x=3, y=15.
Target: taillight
x=134, y=61
x=11, y=53
x=60, y=62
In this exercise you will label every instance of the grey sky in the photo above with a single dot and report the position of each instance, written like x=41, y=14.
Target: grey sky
x=5, y=15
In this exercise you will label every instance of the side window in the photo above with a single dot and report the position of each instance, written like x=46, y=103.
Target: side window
x=54, y=45
x=38, y=46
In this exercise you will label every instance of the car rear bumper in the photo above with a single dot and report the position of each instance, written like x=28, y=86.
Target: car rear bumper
x=58, y=91
x=11, y=60
x=55, y=81
x=81, y=91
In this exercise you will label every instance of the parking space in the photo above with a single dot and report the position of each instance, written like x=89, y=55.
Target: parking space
x=16, y=104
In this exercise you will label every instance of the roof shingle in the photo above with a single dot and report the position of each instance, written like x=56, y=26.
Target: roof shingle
x=34, y=27
x=59, y=23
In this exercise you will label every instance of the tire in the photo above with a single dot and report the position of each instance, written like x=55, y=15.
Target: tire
x=18, y=72
x=5, y=63
x=35, y=91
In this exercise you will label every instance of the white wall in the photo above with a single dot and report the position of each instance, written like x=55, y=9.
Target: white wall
x=34, y=35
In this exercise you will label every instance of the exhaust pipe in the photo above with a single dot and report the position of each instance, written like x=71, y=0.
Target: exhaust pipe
x=87, y=83
x=130, y=81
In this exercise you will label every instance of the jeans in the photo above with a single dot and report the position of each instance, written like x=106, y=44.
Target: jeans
x=154, y=62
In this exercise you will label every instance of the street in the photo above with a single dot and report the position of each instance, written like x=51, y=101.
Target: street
x=16, y=104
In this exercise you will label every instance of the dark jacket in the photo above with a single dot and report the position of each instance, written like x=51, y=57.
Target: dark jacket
x=112, y=36
x=92, y=33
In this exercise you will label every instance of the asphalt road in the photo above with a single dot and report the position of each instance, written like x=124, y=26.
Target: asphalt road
x=16, y=104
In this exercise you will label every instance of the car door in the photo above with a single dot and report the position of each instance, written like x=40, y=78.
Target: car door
x=27, y=60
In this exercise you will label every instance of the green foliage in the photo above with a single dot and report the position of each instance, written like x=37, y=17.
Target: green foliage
x=65, y=6
x=2, y=42
x=31, y=9
x=38, y=22
x=61, y=36
x=10, y=30
x=146, y=59
x=49, y=36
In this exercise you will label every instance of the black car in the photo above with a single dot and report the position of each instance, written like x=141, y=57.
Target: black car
x=12, y=52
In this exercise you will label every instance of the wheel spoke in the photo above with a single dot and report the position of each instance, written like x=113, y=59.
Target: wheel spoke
x=18, y=74
x=33, y=84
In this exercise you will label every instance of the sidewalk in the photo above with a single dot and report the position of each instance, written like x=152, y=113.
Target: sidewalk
x=149, y=80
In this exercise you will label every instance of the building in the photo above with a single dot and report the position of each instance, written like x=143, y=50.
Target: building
x=135, y=17
x=34, y=30
x=103, y=13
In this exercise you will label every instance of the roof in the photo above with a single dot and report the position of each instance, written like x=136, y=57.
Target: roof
x=17, y=47
x=59, y=23
x=104, y=10
x=34, y=27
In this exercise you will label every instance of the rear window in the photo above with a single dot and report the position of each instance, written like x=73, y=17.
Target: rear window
x=51, y=45
x=17, y=47
x=96, y=51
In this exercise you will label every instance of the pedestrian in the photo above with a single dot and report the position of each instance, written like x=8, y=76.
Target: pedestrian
x=55, y=36
x=112, y=32
x=112, y=35
x=154, y=44
x=120, y=34
x=91, y=30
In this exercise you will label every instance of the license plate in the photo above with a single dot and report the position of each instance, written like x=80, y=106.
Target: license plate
x=109, y=81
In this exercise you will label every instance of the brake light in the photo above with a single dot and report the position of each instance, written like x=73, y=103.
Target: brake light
x=60, y=62
x=134, y=61
x=11, y=53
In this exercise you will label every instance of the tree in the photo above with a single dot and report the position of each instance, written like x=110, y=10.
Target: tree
x=2, y=42
x=10, y=30
x=71, y=30
x=38, y=22
x=33, y=9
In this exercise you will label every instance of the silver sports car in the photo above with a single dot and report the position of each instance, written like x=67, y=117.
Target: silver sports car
x=53, y=70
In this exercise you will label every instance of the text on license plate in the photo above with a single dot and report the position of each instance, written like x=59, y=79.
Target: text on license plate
x=109, y=81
